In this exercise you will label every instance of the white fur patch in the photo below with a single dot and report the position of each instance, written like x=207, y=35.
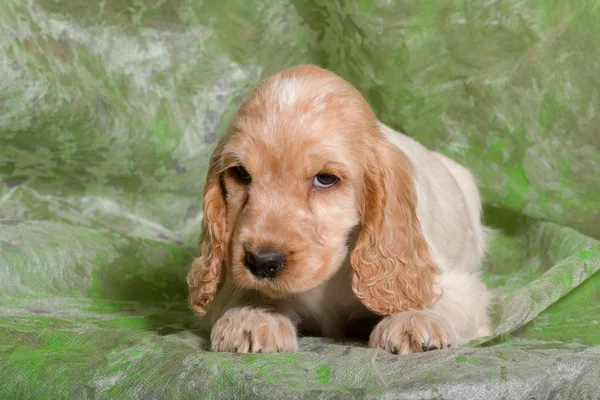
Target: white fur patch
x=288, y=91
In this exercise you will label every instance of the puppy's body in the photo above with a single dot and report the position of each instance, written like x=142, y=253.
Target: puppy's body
x=391, y=253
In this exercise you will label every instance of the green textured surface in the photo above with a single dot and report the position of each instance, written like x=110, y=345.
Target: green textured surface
x=109, y=109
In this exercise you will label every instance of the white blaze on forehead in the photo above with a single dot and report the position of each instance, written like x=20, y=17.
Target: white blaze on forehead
x=288, y=90
x=291, y=89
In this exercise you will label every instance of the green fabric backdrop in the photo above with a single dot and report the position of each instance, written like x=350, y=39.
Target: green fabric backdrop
x=109, y=110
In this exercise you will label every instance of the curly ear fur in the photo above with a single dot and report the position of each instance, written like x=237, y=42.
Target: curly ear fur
x=206, y=274
x=393, y=269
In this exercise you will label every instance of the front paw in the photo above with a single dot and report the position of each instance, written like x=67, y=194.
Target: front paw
x=253, y=330
x=412, y=332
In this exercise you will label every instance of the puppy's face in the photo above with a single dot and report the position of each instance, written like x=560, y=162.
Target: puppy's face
x=303, y=164
x=292, y=171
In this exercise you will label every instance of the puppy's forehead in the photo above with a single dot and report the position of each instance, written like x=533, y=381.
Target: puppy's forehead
x=304, y=114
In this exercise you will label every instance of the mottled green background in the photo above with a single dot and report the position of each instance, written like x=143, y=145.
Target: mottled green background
x=109, y=110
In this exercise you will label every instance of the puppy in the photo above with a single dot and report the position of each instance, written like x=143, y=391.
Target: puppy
x=320, y=220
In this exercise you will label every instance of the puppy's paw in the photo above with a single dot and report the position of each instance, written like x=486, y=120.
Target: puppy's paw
x=412, y=332
x=253, y=330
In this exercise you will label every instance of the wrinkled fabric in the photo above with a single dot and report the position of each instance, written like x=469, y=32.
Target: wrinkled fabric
x=109, y=111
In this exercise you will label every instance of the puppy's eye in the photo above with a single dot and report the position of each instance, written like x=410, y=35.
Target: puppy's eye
x=325, y=180
x=242, y=174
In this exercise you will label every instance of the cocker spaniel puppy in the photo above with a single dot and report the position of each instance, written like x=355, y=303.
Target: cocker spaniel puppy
x=319, y=219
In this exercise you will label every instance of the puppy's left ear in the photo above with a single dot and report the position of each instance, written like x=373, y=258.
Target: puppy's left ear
x=392, y=263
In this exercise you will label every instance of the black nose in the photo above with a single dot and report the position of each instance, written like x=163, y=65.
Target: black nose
x=266, y=263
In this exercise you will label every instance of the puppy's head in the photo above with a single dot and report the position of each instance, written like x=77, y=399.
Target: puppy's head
x=303, y=165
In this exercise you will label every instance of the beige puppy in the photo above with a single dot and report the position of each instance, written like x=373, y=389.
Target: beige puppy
x=319, y=219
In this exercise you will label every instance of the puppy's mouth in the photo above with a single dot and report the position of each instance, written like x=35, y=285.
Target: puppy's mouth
x=283, y=286
x=273, y=293
x=275, y=287
x=269, y=287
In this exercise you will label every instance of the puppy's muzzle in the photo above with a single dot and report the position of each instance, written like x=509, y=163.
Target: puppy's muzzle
x=266, y=263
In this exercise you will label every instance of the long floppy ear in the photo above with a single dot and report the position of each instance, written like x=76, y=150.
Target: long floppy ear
x=393, y=268
x=206, y=273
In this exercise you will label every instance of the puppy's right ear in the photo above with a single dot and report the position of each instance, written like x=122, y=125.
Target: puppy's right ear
x=206, y=274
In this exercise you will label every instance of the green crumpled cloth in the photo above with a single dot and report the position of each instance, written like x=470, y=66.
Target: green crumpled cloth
x=109, y=110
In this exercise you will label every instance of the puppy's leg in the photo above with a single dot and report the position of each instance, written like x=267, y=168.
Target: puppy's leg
x=457, y=317
x=253, y=329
